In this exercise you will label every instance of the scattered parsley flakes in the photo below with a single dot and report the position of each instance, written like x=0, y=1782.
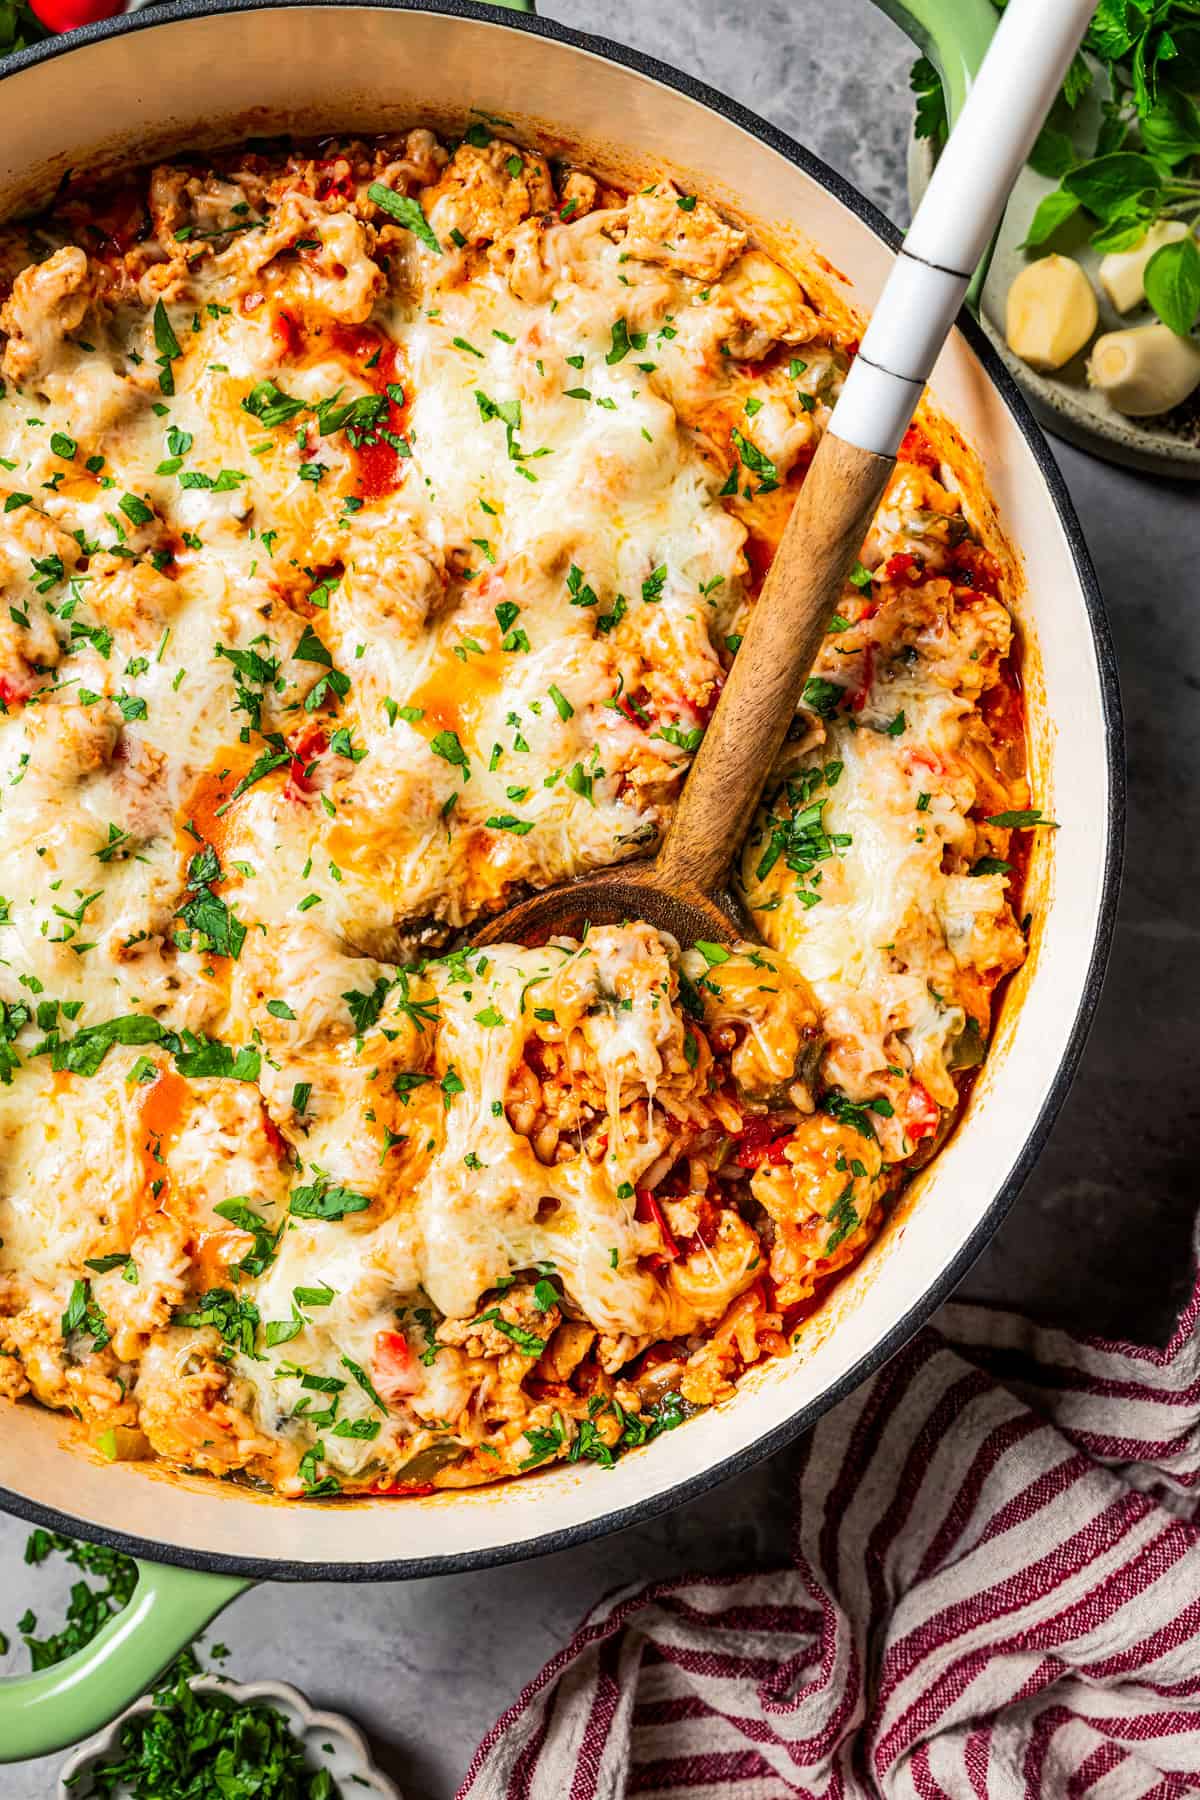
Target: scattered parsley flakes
x=406, y=212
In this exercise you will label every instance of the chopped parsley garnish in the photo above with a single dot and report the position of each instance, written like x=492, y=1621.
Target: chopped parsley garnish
x=234, y=1319
x=848, y=1112
x=446, y=745
x=217, y=926
x=135, y=510
x=270, y=405
x=167, y=345
x=84, y=1314
x=756, y=460
x=323, y=1199
x=623, y=341
x=652, y=587
x=365, y=1008
x=258, y=1259
x=1024, y=820
x=843, y=1219
x=822, y=697
x=406, y=212
x=527, y=1342
x=800, y=836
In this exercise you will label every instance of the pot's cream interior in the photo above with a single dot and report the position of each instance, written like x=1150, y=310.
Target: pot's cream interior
x=313, y=68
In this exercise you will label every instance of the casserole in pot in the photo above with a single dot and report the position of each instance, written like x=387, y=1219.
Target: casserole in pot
x=431, y=67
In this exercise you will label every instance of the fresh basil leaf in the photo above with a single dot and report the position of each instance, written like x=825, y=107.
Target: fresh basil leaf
x=1122, y=234
x=1077, y=80
x=1052, y=213
x=1172, y=280
x=1171, y=128
x=1109, y=33
x=1053, y=153
x=1110, y=186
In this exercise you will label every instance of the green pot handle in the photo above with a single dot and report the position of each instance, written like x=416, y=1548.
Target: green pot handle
x=60, y=1705
x=954, y=35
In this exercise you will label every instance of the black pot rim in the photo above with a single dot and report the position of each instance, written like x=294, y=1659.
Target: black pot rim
x=544, y=1544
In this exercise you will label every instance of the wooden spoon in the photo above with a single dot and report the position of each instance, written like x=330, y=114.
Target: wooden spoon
x=683, y=890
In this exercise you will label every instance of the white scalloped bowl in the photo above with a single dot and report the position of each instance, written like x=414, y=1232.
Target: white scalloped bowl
x=330, y=1741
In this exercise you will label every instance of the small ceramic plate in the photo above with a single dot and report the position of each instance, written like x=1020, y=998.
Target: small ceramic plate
x=331, y=1741
x=1063, y=402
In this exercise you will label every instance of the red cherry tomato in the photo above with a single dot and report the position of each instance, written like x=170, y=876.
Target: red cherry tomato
x=68, y=15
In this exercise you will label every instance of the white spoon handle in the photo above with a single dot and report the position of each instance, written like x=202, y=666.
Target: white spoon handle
x=1015, y=88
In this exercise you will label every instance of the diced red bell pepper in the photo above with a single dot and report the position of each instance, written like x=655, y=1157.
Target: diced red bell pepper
x=921, y=1114
x=649, y=1212
x=394, y=1366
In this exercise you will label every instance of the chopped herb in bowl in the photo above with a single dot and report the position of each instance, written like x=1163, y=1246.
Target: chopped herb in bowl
x=201, y=1744
x=193, y=1742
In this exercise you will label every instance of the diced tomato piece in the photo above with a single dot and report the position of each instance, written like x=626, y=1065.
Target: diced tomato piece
x=311, y=743
x=394, y=1366
x=921, y=1114
x=764, y=1140
x=650, y=1212
x=904, y=566
x=915, y=447
x=708, y=1225
x=403, y=1490
x=298, y=779
x=974, y=567
x=13, y=693
x=329, y=183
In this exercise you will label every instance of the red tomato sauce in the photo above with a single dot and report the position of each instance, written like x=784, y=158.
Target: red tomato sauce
x=379, y=462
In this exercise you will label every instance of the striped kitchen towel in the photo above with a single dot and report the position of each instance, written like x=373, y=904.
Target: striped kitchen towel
x=994, y=1591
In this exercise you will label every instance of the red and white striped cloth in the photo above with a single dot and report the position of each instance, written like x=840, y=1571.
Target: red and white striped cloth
x=995, y=1591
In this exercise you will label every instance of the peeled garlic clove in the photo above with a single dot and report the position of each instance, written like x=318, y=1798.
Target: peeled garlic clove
x=1123, y=272
x=1146, y=369
x=1052, y=312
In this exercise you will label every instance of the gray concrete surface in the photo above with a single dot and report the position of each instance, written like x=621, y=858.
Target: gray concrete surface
x=1101, y=1238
